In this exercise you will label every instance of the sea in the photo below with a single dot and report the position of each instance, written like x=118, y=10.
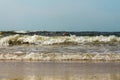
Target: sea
x=59, y=55
x=59, y=46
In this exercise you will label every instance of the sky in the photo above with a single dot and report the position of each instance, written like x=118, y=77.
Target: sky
x=60, y=15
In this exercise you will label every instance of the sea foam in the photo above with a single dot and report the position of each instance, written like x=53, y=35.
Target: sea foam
x=60, y=56
x=47, y=40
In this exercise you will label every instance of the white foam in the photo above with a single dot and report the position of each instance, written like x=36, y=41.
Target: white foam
x=59, y=56
x=20, y=31
x=5, y=40
x=44, y=40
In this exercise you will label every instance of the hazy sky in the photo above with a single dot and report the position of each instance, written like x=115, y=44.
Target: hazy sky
x=67, y=15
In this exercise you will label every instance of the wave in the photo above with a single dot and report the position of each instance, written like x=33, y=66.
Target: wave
x=59, y=56
x=47, y=40
x=20, y=31
x=61, y=33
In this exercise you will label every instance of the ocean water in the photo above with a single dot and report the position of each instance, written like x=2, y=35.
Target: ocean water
x=59, y=46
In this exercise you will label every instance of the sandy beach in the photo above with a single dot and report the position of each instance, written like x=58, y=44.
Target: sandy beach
x=11, y=70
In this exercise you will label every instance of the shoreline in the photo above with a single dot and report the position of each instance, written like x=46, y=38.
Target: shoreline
x=58, y=60
x=62, y=61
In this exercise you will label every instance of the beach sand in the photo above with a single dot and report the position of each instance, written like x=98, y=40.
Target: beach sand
x=11, y=70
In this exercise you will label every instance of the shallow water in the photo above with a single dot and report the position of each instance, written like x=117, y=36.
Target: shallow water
x=59, y=71
x=60, y=53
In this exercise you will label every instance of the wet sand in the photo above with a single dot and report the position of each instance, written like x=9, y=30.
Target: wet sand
x=10, y=70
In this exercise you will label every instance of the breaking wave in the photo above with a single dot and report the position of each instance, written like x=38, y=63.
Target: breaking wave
x=59, y=56
x=20, y=31
x=47, y=40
